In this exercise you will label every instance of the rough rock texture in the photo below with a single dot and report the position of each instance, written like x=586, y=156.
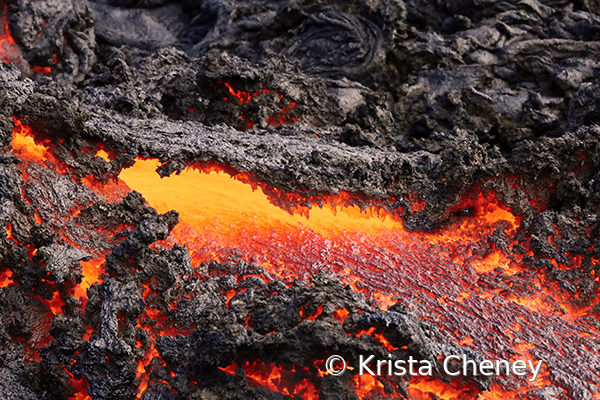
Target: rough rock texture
x=393, y=101
x=55, y=33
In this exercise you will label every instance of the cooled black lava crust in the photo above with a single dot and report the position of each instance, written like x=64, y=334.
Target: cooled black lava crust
x=392, y=99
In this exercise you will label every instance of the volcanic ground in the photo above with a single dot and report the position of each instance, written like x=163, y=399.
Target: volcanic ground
x=207, y=199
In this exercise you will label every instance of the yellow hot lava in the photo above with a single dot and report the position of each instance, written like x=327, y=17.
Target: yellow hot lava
x=225, y=218
x=223, y=204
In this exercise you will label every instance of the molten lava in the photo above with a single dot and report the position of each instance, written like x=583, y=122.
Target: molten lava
x=8, y=49
x=446, y=277
x=275, y=379
x=10, y=52
x=276, y=119
x=227, y=219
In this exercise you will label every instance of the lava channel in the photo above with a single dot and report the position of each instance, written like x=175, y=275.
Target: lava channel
x=443, y=277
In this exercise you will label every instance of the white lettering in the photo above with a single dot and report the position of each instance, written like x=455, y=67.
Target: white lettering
x=364, y=364
x=465, y=366
x=379, y=362
x=506, y=364
x=400, y=368
x=536, y=371
x=426, y=368
x=485, y=364
x=446, y=361
x=516, y=368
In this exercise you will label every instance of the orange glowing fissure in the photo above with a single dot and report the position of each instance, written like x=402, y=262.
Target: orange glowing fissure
x=10, y=52
x=245, y=97
x=7, y=43
x=274, y=378
x=224, y=216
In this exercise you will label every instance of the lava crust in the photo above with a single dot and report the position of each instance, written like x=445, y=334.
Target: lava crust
x=473, y=125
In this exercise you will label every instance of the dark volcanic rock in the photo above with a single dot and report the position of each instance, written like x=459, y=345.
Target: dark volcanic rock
x=55, y=33
x=393, y=101
x=266, y=323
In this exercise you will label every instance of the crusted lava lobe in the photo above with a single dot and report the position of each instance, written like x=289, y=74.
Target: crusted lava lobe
x=391, y=99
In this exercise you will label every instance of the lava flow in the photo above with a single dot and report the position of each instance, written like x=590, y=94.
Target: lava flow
x=242, y=199
x=223, y=218
x=7, y=43
x=276, y=119
x=444, y=277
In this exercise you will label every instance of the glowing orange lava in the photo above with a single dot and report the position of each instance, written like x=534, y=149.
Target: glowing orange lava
x=227, y=218
x=224, y=218
x=6, y=41
x=24, y=144
x=141, y=371
x=9, y=51
x=421, y=386
x=5, y=278
x=367, y=386
x=245, y=97
x=274, y=378
x=219, y=214
x=384, y=342
x=30, y=151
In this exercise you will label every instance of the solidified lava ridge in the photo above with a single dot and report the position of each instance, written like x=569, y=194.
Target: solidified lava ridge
x=162, y=265
x=207, y=199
